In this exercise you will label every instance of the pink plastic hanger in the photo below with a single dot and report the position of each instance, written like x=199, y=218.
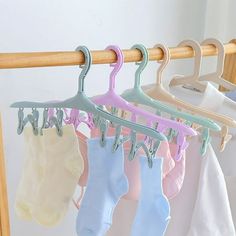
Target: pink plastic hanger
x=111, y=99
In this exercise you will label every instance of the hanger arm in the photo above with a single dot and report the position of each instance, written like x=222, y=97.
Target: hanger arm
x=148, y=101
x=218, y=80
x=77, y=103
x=133, y=126
x=225, y=120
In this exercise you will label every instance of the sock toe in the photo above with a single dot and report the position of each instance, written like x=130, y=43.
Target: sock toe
x=47, y=217
x=23, y=210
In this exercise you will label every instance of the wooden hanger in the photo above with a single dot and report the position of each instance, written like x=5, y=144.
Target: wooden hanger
x=158, y=92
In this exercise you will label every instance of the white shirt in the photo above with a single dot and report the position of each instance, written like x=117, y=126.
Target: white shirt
x=217, y=102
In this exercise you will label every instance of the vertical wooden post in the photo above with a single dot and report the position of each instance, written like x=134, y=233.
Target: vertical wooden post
x=230, y=68
x=4, y=212
x=0, y=227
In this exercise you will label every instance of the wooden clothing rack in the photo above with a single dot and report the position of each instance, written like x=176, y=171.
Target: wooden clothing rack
x=45, y=59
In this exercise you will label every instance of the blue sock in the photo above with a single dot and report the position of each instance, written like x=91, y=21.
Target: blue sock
x=107, y=183
x=153, y=212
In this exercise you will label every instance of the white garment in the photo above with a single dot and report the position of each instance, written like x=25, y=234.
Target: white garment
x=216, y=101
x=212, y=214
x=200, y=209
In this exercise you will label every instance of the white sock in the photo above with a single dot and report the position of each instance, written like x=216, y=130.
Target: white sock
x=62, y=169
x=31, y=174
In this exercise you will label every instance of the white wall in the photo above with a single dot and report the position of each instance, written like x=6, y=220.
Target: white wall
x=220, y=19
x=53, y=25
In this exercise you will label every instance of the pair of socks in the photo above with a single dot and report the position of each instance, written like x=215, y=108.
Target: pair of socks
x=52, y=167
x=107, y=183
x=170, y=168
x=173, y=171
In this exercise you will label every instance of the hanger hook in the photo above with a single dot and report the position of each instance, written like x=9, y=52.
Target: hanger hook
x=142, y=64
x=85, y=67
x=117, y=66
x=221, y=53
x=164, y=62
x=198, y=55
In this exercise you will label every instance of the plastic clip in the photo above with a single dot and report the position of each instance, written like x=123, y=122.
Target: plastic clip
x=182, y=146
x=225, y=137
x=155, y=148
x=33, y=119
x=21, y=121
x=58, y=124
x=147, y=152
x=103, y=128
x=119, y=139
x=133, y=140
x=206, y=139
x=45, y=123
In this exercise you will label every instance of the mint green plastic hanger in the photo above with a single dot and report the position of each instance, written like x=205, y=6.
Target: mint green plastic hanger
x=81, y=102
x=137, y=95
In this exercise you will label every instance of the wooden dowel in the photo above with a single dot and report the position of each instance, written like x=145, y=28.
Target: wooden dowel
x=4, y=213
x=43, y=59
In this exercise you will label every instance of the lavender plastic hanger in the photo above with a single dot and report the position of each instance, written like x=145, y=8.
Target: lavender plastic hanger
x=110, y=98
